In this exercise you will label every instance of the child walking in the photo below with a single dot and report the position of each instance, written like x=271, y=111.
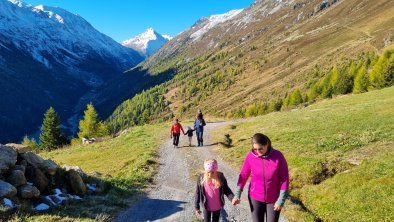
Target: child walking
x=210, y=190
x=176, y=132
x=189, y=134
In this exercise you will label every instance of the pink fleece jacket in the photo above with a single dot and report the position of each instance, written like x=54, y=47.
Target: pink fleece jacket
x=269, y=175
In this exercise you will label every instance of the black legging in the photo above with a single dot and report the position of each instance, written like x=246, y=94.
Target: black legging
x=176, y=138
x=263, y=211
x=211, y=216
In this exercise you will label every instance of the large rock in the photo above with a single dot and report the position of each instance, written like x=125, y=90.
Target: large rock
x=19, y=148
x=7, y=190
x=77, y=185
x=8, y=157
x=75, y=168
x=61, y=181
x=17, y=178
x=50, y=167
x=20, y=167
x=33, y=159
x=38, y=178
x=7, y=203
x=48, y=201
x=28, y=191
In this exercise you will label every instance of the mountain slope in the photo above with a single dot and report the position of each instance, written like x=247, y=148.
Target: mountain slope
x=50, y=57
x=339, y=152
x=265, y=51
x=147, y=42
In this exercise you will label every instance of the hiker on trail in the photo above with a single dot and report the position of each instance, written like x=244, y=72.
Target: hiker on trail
x=210, y=190
x=189, y=134
x=199, y=113
x=199, y=127
x=269, y=185
x=176, y=132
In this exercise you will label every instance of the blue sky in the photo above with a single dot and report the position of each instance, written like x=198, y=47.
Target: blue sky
x=122, y=19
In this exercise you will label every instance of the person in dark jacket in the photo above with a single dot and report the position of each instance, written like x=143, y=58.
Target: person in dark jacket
x=210, y=191
x=199, y=127
x=199, y=114
x=189, y=134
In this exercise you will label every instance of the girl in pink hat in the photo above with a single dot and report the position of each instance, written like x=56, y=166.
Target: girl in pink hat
x=210, y=190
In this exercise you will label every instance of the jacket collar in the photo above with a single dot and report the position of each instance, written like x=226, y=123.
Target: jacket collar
x=265, y=156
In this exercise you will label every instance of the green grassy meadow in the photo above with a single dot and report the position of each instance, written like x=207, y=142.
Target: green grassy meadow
x=340, y=155
x=127, y=164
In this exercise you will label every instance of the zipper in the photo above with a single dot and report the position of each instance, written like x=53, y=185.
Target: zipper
x=265, y=189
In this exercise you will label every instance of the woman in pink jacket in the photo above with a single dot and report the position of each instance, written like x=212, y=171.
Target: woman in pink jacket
x=269, y=185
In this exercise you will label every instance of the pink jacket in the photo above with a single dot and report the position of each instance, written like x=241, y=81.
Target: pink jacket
x=269, y=175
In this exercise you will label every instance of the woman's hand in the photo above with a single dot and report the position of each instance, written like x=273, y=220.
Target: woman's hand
x=277, y=207
x=235, y=201
x=198, y=212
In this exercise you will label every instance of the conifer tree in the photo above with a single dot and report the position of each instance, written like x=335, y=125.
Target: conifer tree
x=344, y=84
x=296, y=98
x=286, y=102
x=50, y=137
x=376, y=75
x=313, y=92
x=32, y=143
x=387, y=75
x=361, y=81
x=90, y=126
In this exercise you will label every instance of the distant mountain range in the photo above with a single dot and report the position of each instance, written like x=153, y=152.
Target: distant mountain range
x=230, y=61
x=147, y=42
x=50, y=57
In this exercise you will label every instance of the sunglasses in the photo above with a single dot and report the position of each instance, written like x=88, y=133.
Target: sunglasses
x=260, y=149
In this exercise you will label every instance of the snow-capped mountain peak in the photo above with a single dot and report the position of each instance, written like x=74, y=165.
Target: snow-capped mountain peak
x=147, y=42
x=56, y=37
x=50, y=13
x=212, y=21
x=167, y=37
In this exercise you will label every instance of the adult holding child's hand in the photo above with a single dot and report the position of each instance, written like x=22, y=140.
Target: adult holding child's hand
x=235, y=201
x=269, y=185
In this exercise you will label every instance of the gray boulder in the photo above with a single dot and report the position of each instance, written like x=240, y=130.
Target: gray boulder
x=17, y=178
x=7, y=190
x=28, y=191
x=19, y=148
x=75, y=168
x=32, y=159
x=7, y=203
x=48, y=201
x=49, y=166
x=7, y=158
x=20, y=167
x=37, y=177
x=77, y=185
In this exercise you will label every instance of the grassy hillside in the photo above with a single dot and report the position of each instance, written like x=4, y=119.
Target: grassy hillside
x=262, y=60
x=340, y=155
x=127, y=162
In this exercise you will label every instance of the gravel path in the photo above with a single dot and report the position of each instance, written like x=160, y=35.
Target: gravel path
x=172, y=196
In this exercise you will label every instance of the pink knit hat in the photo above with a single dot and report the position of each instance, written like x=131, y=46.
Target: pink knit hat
x=211, y=166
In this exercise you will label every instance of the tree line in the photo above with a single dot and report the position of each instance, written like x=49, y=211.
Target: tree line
x=368, y=72
x=52, y=137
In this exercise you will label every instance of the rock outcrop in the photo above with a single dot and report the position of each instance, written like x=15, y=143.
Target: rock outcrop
x=25, y=176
